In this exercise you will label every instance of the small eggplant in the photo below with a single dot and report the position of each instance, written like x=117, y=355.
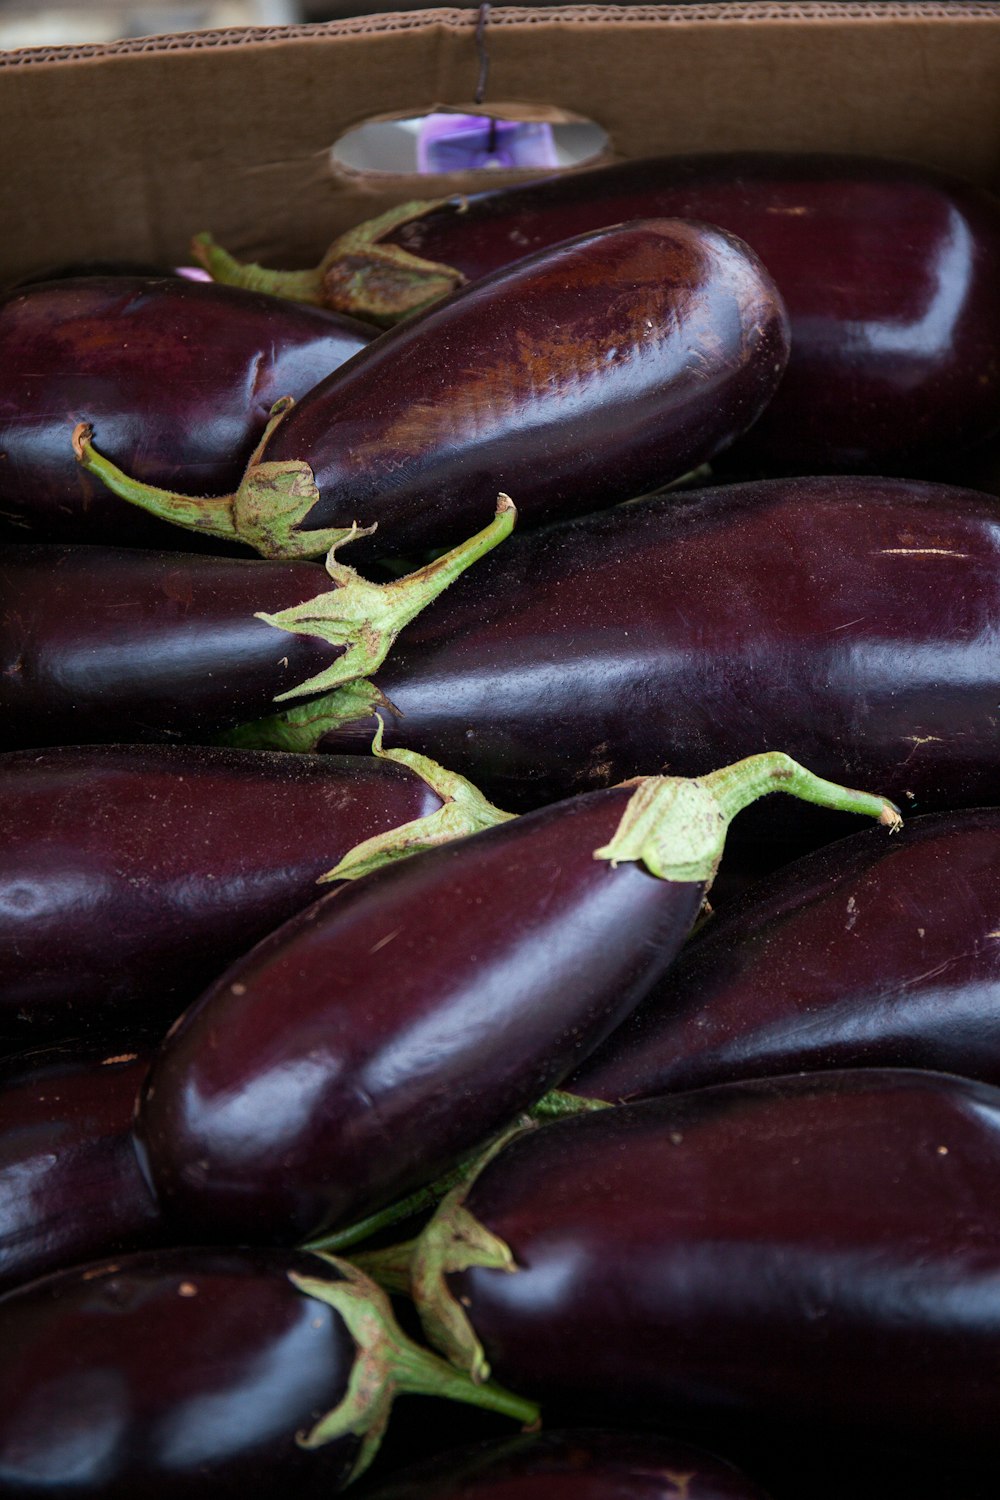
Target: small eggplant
x=130, y=876
x=785, y=980
x=376, y=1038
x=179, y=376
x=890, y=272
x=71, y=1186
x=205, y=1374
x=852, y=621
x=117, y=644
x=598, y=370
x=820, y=1250
x=583, y=1465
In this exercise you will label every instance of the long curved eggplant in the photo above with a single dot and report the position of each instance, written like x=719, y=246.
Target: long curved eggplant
x=179, y=376
x=598, y=370
x=821, y=1251
x=117, y=644
x=854, y=622
x=375, y=1039
x=890, y=272
x=209, y=1374
x=575, y=1465
x=131, y=876
x=71, y=1187
x=863, y=954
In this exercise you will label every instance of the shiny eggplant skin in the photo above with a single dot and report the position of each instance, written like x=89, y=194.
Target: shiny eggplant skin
x=890, y=272
x=102, y=644
x=130, y=876
x=71, y=1187
x=868, y=953
x=388, y=1029
x=820, y=1250
x=170, y=1372
x=596, y=371
x=853, y=622
x=177, y=376
x=574, y=1465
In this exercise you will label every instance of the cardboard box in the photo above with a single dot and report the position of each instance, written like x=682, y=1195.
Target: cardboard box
x=126, y=150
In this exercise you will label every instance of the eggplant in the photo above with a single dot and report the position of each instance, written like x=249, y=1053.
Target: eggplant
x=205, y=1373
x=594, y=371
x=852, y=621
x=366, y=1046
x=131, y=876
x=574, y=1465
x=862, y=954
x=71, y=1186
x=820, y=1251
x=116, y=644
x=180, y=377
x=890, y=271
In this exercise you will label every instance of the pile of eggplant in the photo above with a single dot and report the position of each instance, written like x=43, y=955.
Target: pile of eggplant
x=366, y=1028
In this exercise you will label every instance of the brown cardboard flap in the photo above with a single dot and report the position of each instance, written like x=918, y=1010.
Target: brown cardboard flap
x=129, y=149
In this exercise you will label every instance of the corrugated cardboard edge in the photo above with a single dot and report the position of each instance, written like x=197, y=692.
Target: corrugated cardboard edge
x=722, y=14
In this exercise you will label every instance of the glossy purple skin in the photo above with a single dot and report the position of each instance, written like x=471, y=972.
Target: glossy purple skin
x=821, y=1251
x=890, y=272
x=117, y=644
x=575, y=1465
x=70, y=1183
x=177, y=378
x=171, y=1372
x=598, y=370
x=854, y=623
x=869, y=953
x=365, y=1046
x=130, y=876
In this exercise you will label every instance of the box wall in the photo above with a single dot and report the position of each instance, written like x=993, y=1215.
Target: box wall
x=128, y=150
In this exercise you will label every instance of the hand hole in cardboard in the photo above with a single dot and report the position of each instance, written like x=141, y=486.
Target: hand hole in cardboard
x=498, y=139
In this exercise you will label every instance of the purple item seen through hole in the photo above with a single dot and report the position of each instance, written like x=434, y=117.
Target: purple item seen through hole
x=462, y=143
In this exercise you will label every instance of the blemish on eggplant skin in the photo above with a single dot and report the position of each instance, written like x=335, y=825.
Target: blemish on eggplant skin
x=187, y=1289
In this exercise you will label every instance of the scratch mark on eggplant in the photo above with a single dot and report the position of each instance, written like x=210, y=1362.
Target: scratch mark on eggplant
x=383, y=942
x=919, y=552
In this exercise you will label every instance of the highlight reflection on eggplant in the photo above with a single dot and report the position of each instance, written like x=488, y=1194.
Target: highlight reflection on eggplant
x=70, y=1183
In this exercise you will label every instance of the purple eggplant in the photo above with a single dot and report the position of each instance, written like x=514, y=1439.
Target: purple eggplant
x=890, y=272
x=71, y=1186
x=179, y=376
x=595, y=371
x=852, y=621
x=130, y=876
x=821, y=1251
x=581, y=1465
x=371, y=1042
x=863, y=954
x=117, y=644
x=206, y=1374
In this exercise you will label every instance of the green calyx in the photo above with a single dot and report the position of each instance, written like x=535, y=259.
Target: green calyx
x=265, y=513
x=463, y=811
x=391, y=1267
x=302, y=727
x=677, y=827
x=365, y=618
x=359, y=276
x=387, y=1364
x=455, y=1240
